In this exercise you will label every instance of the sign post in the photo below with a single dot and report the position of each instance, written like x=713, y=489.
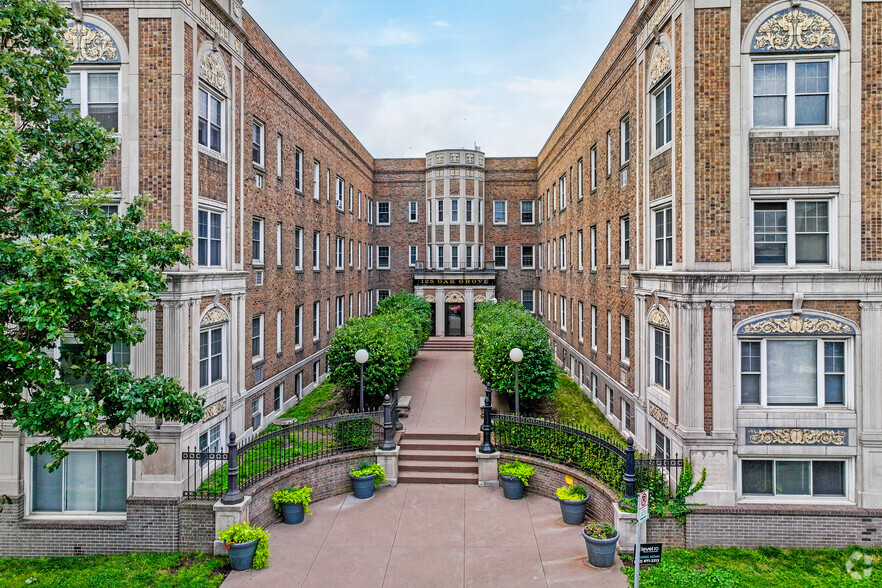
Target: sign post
x=642, y=515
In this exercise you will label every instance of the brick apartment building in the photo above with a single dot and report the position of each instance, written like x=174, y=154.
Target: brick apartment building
x=701, y=233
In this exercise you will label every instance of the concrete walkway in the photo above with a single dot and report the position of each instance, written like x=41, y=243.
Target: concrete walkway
x=428, y=535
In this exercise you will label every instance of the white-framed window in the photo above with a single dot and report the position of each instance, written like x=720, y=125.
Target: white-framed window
x=316, y=179
x=595, y=391
x=316, y=250
x=350, y=306
x=298, y=385
x=661, y=444
x=539, y=303
x=87, y=482
x=593, y=164
x=210, y=441
x=338, y=314
x=792, y=232
x=609, y=332
x=608, y=153
x=563, y=252
x=661, y=357
x=527, y=217
x=468, y=260
x=500, y=256
x=539, y=255
x=258, y=143
x=328, y=315
x=579, y=178
x=610, y=400
x=593, y=328
x=663, y=236
x=454, y=256
x=662, y=107
x=210, y=228
x=278, y=331
x=278, y=396
x=608, y=244
x=121, y=354
x=468, y=211
x=625, y=140
x=298, y=326
x=581, y=321
x=351, y=200
x=412, y=211
x=592, y=238
x=257, y=338
x=328, y=252
x=412, y=252
x=298, y=169
x=382, y=256
x=440, y=215
x=382, y=294
x=316, y=371
x=383, y=212
x=359, y=205
x=500, y=212
x=316, y=317
x=794, y=92
x=370, y=211
x=563, y=313
x=794, y=372
x=527, y=299
x=794, y=477
x=563, y=191
x=624, y=240
x=370, y=256
x=627, y=415
x=625, y=339
x=212, y=347
x=211, y=121
x=279, y=156
x=554, y=252
x=351, y=252
x=257, y=235
x=256, y=412
x=359, y=256
x=338, y=250
x=338, y=195
x=95, y=93
x=298, y=248
x=527, y=256
x=454, y=210
x=580, y=253
x=279, y=244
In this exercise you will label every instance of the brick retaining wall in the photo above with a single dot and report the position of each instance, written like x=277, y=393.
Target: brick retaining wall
x=197, y=526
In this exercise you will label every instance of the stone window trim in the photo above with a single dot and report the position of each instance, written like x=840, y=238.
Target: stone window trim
x=212, y=208
x=660, y=206
x=664, y=89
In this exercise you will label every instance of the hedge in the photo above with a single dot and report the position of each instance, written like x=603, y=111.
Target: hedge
x=499, y=328
x=392, y=337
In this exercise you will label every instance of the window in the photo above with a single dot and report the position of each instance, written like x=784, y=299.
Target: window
x=579, y=250
x=627, y=416
x=86, y=482
x=454, y=256
x=338, y=312
x=624, y=240
x=780, y=477
x=383, y=256
x=563, y=313
x=527, y=299
x=316, y=371
x=382, y=213
x=791, y=93
x=593, y=328
x=298, y=326
x=793, y=372
x=257, y=143
x=663, y=236
x=593, y=162
x=411, y=255
x=279, y=156
x=500, y=256
x=316, y=179
x=211, y=356
x=662, y=445
x=351, y=200
x=625, y=140
x=440, y=218
x=338, y=258
x=211, y=126
x=279, y=244
x=257, y=241
x=359, y=256
x=370, y=256
x=594, y=388
x=278, y=396
x=256, y=412
x=95, y=94
x=468, y=211
x=625, y=339
x=526, y=212
x=382, y=294
x=563, y=191
x=351, y=247
x=370, y=211
x=298, y=170
x=210, y=442
x=338, y=195
x=412, y=211
x=257, y=338
x=608, y=244
x=793, y=232
x=298, y=248
x=580, y=179
x=527, y=256
x=563, y=252
x=500, y=212
x=581, y=322
x=454, y=211
x=593, y=246
x=609, y=332
x=316, y=245
x=316, y=312
x=661, y=352
x=610, y=403
x=661, y=101
x=608, y=153
x=359, y=205
x=208, y=240
x=121, y=354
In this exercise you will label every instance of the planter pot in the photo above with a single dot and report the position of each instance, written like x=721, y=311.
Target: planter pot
x=242, y=554
x=512, y=488
x=573, y=511
x=292, y=513
x=601, y=552
x=363, y=487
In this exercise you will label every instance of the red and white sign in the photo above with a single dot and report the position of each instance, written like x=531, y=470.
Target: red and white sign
x=643, y=506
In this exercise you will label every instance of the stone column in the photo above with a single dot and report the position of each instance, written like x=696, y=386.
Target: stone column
x=488, y=468
x=175, y=332
x=869, y=406
x=469, y=311
x=723, y=368
x=439, y=313
x=687, y=378
x=388, y=459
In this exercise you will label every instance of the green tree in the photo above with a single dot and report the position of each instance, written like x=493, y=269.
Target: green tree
x=68, y=271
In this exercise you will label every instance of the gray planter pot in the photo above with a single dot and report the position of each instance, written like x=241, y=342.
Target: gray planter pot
x=573, y=511
x=512, y=488
x=362, y=487
x=292, y=513
x=242, y=555
x=601, y=552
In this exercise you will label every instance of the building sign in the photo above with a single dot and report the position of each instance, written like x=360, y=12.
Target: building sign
x=454, y=281
x=650, y=553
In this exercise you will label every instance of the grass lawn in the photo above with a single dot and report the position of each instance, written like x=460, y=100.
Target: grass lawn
x=319, y=403
x=571, y=405
x=161, y=570
x=761, y=568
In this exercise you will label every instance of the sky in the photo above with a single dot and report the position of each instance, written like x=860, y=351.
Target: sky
x=411, y=76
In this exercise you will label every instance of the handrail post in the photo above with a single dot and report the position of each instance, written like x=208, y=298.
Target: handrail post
x=388, y=443
x=488, y=391
x=233, y=495
x=395, y=419
x=486, y=445
x=630, y=478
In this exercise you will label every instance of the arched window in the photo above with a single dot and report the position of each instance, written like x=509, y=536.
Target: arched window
x=93, y=82
x=212, y=102
x=213, y=346
x=660, y=346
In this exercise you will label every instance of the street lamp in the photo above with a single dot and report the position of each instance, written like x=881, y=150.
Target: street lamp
x=516, y=356
x=361, y=356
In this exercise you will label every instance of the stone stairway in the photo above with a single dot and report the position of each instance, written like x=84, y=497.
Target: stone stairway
x=438, y=458
x=448, y=344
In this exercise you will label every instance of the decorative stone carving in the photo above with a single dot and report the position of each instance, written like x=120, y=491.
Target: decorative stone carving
x=214, y=409
x=480, y=299
x=430, y=299
x=871, y=305
x=439, y=158
x=658, y=414
x=797, y=436
x=91, y=44
x=658, y=318
x=212, y=70
x=214, y=22
x=660, y=64
x=454, y=297
x=215, y=316
x=104, y=431
x=795, y=29
x=237, y=10
x=454, y=158
x=470, y=158
x=796, y=325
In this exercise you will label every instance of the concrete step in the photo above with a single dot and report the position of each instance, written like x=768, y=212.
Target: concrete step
x=408, y=454
x=407, y=465
x=437, y=478
x=440, y=445
x=423, y=436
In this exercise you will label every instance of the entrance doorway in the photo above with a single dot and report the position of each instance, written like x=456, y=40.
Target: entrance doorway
x=454, y=319
x=432, y=332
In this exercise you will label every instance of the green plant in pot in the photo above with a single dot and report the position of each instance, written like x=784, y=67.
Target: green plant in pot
x=366, y=478
x=292, y=503
x=600, y=540
x=573, y=500
x=515, y=477
x=247, y=546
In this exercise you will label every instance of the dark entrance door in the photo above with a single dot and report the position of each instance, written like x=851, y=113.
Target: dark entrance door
x=432, y=332
x=454, y=320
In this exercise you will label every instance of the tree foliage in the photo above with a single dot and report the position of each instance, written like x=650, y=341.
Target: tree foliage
x=413, y=307
x=68, y=270
x=498, y=329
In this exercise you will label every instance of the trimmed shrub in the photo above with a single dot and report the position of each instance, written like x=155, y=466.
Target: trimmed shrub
x=413, y=308
x=501, y=327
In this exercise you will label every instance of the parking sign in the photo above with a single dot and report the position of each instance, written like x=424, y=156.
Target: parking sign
x=643, y=506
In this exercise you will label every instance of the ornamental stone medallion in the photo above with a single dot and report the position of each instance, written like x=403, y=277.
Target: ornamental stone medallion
x=660, y=65
x=91, y=44
x=212, y=70
x=795, y=29
x=757, y=436
x=796, y=325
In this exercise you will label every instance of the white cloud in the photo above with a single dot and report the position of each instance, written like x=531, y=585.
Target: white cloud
x=441, y=23
x=552, y=93
x=390, y=36
x=358, y=53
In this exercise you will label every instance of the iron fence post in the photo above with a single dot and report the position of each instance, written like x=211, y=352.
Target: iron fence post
x=233, y=495
x=388, y=443
x=488, y=391
x=486, y=445
x=395, y=418
x=630, y=478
